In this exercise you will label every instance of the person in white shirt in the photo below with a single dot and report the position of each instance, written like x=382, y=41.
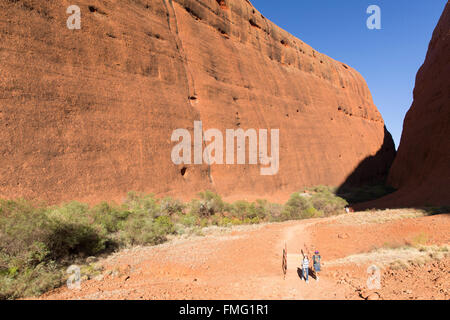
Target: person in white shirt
x=305, y=268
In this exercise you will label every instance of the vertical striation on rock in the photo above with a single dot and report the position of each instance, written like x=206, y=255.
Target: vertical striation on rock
x=88, y=114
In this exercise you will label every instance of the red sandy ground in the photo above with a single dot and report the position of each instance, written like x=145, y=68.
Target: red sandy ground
x=246, y=264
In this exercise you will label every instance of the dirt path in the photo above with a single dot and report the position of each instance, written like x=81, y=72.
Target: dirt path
x=297, y=239
x=242, y=264
x=245, y=263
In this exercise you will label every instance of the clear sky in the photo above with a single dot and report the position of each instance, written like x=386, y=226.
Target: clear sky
x=388, y=58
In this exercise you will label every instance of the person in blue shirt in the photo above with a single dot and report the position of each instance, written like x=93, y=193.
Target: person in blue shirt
x=316, y=264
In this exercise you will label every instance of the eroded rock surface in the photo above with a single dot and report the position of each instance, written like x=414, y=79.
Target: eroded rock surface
x=88, y=114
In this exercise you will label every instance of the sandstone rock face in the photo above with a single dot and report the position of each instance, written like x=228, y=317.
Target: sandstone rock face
x=421, y=169
x=88, y=114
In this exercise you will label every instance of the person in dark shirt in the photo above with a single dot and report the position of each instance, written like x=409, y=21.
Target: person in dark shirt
x=316, y=264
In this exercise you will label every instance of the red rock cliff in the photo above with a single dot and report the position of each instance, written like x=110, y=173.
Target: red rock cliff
x=421, y=169
x=88, y=114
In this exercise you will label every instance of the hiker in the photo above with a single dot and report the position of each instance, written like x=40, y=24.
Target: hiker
x=347, y=209
x=316, y=264
x=305, y=267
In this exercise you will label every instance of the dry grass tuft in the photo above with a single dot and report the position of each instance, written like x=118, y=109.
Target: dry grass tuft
x=397, y=258
x=378, y=217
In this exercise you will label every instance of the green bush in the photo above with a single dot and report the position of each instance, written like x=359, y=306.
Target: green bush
x=204, y=223
x=327, y=202
x=242, y=209
x=296, y=208
x=141, y=231
x=164, y=226
x=33, y=238
x=254, y=220
x=225, y=222
x=38, y=242
x=188, y=220
x=31, y=281
x=317, y=202
x=249, y=212
x=24, y=232
x=171, y=206
x=274, y=211
x=322, y=189
x=311, y=212
x=142, y=204
x=209, y=204
x=111, y=217
x=73, y=230
x=196, y=207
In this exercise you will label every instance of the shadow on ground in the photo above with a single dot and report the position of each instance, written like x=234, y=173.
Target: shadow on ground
x=368, y=181
x=366, y=187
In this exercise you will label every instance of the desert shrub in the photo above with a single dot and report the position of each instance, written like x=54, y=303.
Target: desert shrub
x=195, y=208
x=73, y=230
x=236, y=221
x=24, y=231
x=296, y=208
x=250, y=212
x=142, y=230
x=31, y=281
x=327, y=202
x=254, y=220
x=262, y=209
x=142, y=204
x=225, y=222
x=204, y=222
x=209, y=204
x=38, y=242
x=320, y=201
x=297, y=203
x=322, y=189
x=169, y=206
x=213, y=202
x=32, y=240
x=274, y=211
x=216, y=220
x=311, y=212
x=33, y=234
x=164, y=226
x=109, y=216
x=188, y=220
x=242, y=209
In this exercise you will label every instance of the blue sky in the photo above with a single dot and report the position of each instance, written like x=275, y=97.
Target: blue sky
x=388, y=58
